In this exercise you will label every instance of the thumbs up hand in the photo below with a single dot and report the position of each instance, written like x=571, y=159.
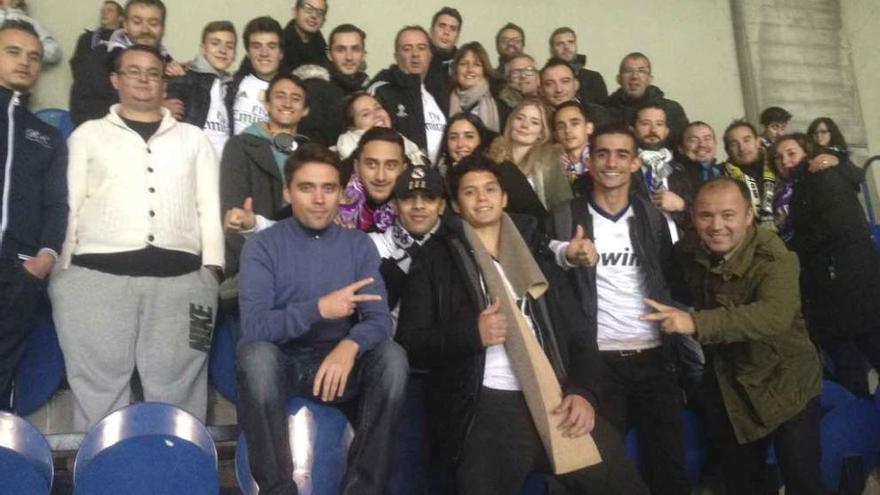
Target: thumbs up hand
x=492, y=325
x=241, y=219
x=581, y=251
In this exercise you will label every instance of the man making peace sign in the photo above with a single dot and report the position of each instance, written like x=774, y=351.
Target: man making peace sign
x=763, y=377
x=314, y=324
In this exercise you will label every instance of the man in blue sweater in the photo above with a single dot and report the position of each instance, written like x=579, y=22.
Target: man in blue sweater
x=314, y=324
x=33, y=196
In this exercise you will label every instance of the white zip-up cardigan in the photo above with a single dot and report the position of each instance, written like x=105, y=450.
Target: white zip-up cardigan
x=125, y=193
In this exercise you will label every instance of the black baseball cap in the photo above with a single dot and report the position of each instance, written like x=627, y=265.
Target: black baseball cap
x=419, y=178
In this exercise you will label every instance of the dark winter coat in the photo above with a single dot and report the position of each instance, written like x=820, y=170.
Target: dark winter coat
x=438, y=328
x=593, y=88
x=194, y=90
x=622, y=109
x=298, y=52
x=401, y=95
x=327, y=90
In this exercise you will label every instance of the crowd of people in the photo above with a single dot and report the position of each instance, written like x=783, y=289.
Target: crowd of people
x=360, y=231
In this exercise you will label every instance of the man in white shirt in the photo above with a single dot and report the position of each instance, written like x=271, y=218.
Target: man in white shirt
x=136, y=284
x=620, y=253
x=247, y=95
x=417, y=106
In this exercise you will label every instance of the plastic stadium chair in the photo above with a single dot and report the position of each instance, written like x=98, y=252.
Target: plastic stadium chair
x=57, y=118
x=25, y=457
x=221, y=363
x=149, y=448
x=849, y=430
x=834, y=395
x=41, y=368
x=319, y=439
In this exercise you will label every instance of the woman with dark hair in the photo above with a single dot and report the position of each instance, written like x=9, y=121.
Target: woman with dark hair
x=825, y=134
x=362, y=112
x=466, y=135
x=475, y=87
x=840, y=264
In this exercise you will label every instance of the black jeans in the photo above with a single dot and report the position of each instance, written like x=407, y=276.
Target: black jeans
x=849, y=356
x=743, y=466
x=268, y=376
x=503, y=447
x=640, y=390
x=19, y=291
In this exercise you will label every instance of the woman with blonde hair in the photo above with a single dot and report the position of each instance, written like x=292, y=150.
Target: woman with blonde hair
x=526, y=144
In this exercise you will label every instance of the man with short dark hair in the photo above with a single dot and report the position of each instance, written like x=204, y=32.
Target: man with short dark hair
x=635, y=78
x=202, y=90
x=482, y=278
x=143, y=256
x=774, y=122
x=559, y=84
x=315, y=324
x=750, y=163
x=619, y=252
x=563, y=45
x=33, y=196
x=764, y=376
x=378, y=161
x=245, y=99
x=510, y=41
x=417, y=105
x=572, y=128
x=92, y=94
x=303, y=42
x=328, y=87
x=445, y=29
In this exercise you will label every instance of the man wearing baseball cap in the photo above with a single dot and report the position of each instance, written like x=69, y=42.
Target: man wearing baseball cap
x=420, y=200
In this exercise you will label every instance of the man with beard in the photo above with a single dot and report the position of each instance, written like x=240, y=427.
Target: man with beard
x=303, y=41
x=91, y=94
x=662, y=178
x=750, y=163
x=328, y=88
x=522, y=80
x=417, y=106
x=563, y=45
x=510, y=42
x=445, y=30
x=635, y=78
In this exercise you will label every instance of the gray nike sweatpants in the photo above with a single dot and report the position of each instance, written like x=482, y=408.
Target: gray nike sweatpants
x=108, y=325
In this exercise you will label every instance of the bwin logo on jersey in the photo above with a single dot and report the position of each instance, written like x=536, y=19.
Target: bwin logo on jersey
x=625, y=258
x=401, y=111
x=37, y=137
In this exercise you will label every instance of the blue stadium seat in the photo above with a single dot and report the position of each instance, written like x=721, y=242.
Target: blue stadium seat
x=41, y=368
x=221, y=363
x=57, y=118
x=25, y=457
x=851, y=429
x=147, y=448
x=833, y=395
x=319, y=439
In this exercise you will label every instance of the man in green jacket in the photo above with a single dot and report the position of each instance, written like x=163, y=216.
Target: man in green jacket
x=767, y=378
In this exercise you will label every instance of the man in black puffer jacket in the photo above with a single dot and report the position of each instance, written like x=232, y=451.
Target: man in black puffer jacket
x=480, y=424
x=636, y=91
x=416, y=105
x=202, y=90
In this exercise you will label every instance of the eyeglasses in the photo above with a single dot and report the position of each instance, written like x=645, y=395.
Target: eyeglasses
x=641, y=71
x=152, y=75
x=315, y=11
x=523, y=72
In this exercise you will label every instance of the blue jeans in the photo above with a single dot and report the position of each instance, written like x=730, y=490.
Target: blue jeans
x=269, y=375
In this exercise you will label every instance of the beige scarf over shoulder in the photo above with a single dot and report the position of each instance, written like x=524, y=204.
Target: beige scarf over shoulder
x=531, y=366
